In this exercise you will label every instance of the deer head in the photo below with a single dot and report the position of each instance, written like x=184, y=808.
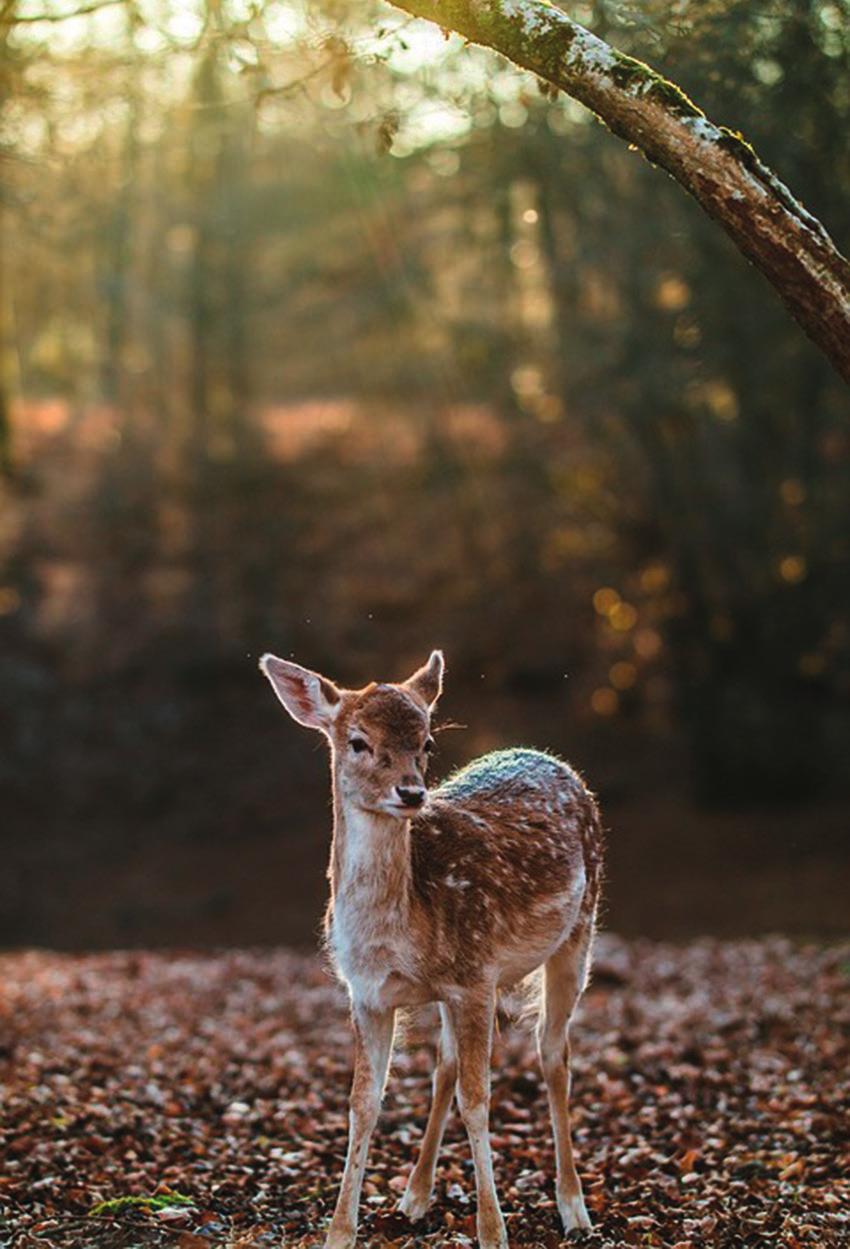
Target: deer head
x=380, y=736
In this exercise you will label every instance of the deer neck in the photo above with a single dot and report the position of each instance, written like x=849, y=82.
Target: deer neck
x=370, y=858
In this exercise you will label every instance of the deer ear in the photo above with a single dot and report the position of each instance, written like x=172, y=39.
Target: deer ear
x=427, y=682
x=309, y=698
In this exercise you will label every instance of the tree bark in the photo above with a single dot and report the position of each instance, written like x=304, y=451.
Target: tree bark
x=714, y=164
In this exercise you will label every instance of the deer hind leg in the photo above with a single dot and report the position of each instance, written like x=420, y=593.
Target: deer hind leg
x=565, y=975
x=373, y=1039
x=420, y=1186
x=472, y=1020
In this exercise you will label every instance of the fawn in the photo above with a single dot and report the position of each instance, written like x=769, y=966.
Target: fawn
x=445, y=897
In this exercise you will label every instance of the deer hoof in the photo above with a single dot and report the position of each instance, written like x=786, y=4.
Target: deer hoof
x=573, y=1213
x=341, y=1238
x=414, y=1204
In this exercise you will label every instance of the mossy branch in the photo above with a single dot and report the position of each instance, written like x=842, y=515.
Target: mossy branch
x=716, y=165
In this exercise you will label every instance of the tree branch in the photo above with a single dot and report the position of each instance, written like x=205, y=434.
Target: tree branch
x=715, y=165
x=11, y=19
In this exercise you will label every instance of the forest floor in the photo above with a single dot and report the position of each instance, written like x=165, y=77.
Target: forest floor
x=711, y=1099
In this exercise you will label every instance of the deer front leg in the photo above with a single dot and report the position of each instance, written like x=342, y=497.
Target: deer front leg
x=472, y=1019
x=417, y=1195
x=373, y=1039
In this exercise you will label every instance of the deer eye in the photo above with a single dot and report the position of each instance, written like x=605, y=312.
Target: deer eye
x=359, y=744
x=429, y=746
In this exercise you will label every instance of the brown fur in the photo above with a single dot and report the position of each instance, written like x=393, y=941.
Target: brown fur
x=496, y=875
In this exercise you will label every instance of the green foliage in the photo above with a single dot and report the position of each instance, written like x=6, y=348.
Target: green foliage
x=159, y=1201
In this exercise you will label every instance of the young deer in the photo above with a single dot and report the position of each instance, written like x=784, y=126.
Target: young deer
x=444, y=897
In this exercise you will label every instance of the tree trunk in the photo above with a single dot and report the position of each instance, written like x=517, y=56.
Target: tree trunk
x=715, y=165
x=117, y=242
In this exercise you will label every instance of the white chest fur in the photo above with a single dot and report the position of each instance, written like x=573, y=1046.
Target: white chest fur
x=370, y=923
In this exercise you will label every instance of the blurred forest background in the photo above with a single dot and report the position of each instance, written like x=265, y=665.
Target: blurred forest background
x=324, y=334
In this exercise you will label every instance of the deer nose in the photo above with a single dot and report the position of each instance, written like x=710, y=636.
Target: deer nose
x=411, y=795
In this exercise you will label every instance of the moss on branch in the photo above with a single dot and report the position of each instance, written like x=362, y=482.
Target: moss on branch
x=638, y=78
x=734, y=142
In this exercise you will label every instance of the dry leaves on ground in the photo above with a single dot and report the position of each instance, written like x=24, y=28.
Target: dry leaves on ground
x=710, y=1095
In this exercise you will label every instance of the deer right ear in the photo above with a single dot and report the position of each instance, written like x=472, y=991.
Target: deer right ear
x=427, y=682
x=310, y=698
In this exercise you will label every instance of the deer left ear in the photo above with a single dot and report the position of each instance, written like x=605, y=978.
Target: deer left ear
x=427, y=681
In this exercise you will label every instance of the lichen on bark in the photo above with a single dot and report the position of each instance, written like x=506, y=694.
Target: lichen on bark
x=535, y=35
